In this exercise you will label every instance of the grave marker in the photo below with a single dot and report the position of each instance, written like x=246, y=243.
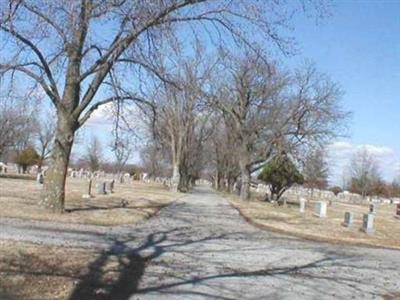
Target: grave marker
x=348, y=219
x=368, y=223
x=101, y=188
x=320, y=209
x=372, y=208
x=302, y=202
x=40, y=178
x=89, y=193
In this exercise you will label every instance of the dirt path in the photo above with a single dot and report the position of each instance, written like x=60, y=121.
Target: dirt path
x=200, y=248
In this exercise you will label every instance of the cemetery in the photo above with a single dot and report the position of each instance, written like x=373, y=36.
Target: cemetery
x=322, y=221
x=199, y=149
x=129, y=203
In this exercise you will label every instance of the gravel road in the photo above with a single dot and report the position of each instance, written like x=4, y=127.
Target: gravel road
x=200, y=248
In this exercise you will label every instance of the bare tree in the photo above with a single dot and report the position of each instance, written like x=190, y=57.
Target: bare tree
x=44, y=136
x=155, y=159
x=270, y=111
x=16, y=126
x=61, y=51
x=225, y=163
x=315, y=170
x=93, y=155
x=122, y=148
x=364, y=172
x=180, y=123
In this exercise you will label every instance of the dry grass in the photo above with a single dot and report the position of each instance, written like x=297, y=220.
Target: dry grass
x=37, y=272
x=289, y=220
x=19, y=199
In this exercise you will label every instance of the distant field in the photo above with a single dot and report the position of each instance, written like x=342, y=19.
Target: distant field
x=19, y=198
x=290, y=220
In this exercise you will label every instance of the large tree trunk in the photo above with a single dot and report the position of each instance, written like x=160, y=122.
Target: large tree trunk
x=54, y=185
x=184, y=182
x=176, y=176
x=244, y=164
x=245, y=184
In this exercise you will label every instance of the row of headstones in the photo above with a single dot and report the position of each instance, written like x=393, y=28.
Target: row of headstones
x=344, y=196
x=368, y=219
x=102, y=188
x=86, y=174
x=105, y=187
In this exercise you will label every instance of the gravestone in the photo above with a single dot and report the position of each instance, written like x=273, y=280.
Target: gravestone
x=110, y=187
x=372, y=208
x=320, y=209
x=40, y=178
x=89, y=193
x=101, y=188
x=302, y=202
x=398, y=211
x=368, y=223
x=348, y=219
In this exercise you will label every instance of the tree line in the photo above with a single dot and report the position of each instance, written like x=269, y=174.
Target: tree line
x=198, y=74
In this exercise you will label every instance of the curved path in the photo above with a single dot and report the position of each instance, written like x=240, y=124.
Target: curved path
x=200, y=248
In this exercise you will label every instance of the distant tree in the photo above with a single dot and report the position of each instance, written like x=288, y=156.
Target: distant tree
x=15, y=126
x=154, y=161
x=44, y=136
x=94, y=154
x=280, y=173
x=122, y=148
x=364, y=173
x=380, y=188
x=315, y=170
x=336, y=190
x=395, y=189
x=26, y=158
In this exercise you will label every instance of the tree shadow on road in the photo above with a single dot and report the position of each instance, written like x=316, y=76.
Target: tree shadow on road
x=131, y=264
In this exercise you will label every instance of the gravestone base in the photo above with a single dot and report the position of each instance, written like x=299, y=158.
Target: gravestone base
x=87, y=196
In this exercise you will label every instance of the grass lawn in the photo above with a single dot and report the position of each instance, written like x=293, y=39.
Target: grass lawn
x=19, y=198
x=289, y=220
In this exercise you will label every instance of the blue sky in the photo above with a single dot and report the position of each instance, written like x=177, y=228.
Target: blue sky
x=359, y=47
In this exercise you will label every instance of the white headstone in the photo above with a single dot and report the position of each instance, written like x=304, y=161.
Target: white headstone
x=302, y=202
x=320, y=209
x=368, y=223
x=101, y=188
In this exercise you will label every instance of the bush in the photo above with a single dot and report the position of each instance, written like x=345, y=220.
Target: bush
x=26, y=158
x=280, y=173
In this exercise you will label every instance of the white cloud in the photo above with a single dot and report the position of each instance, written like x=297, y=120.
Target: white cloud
x=341, y=152
x=377, y=151
x=101, y=116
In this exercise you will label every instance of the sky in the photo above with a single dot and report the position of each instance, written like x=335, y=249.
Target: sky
x=358, y=46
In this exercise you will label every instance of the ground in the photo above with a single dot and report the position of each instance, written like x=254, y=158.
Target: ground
x=19, y=199
x=199, y=247
x=290, y=220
